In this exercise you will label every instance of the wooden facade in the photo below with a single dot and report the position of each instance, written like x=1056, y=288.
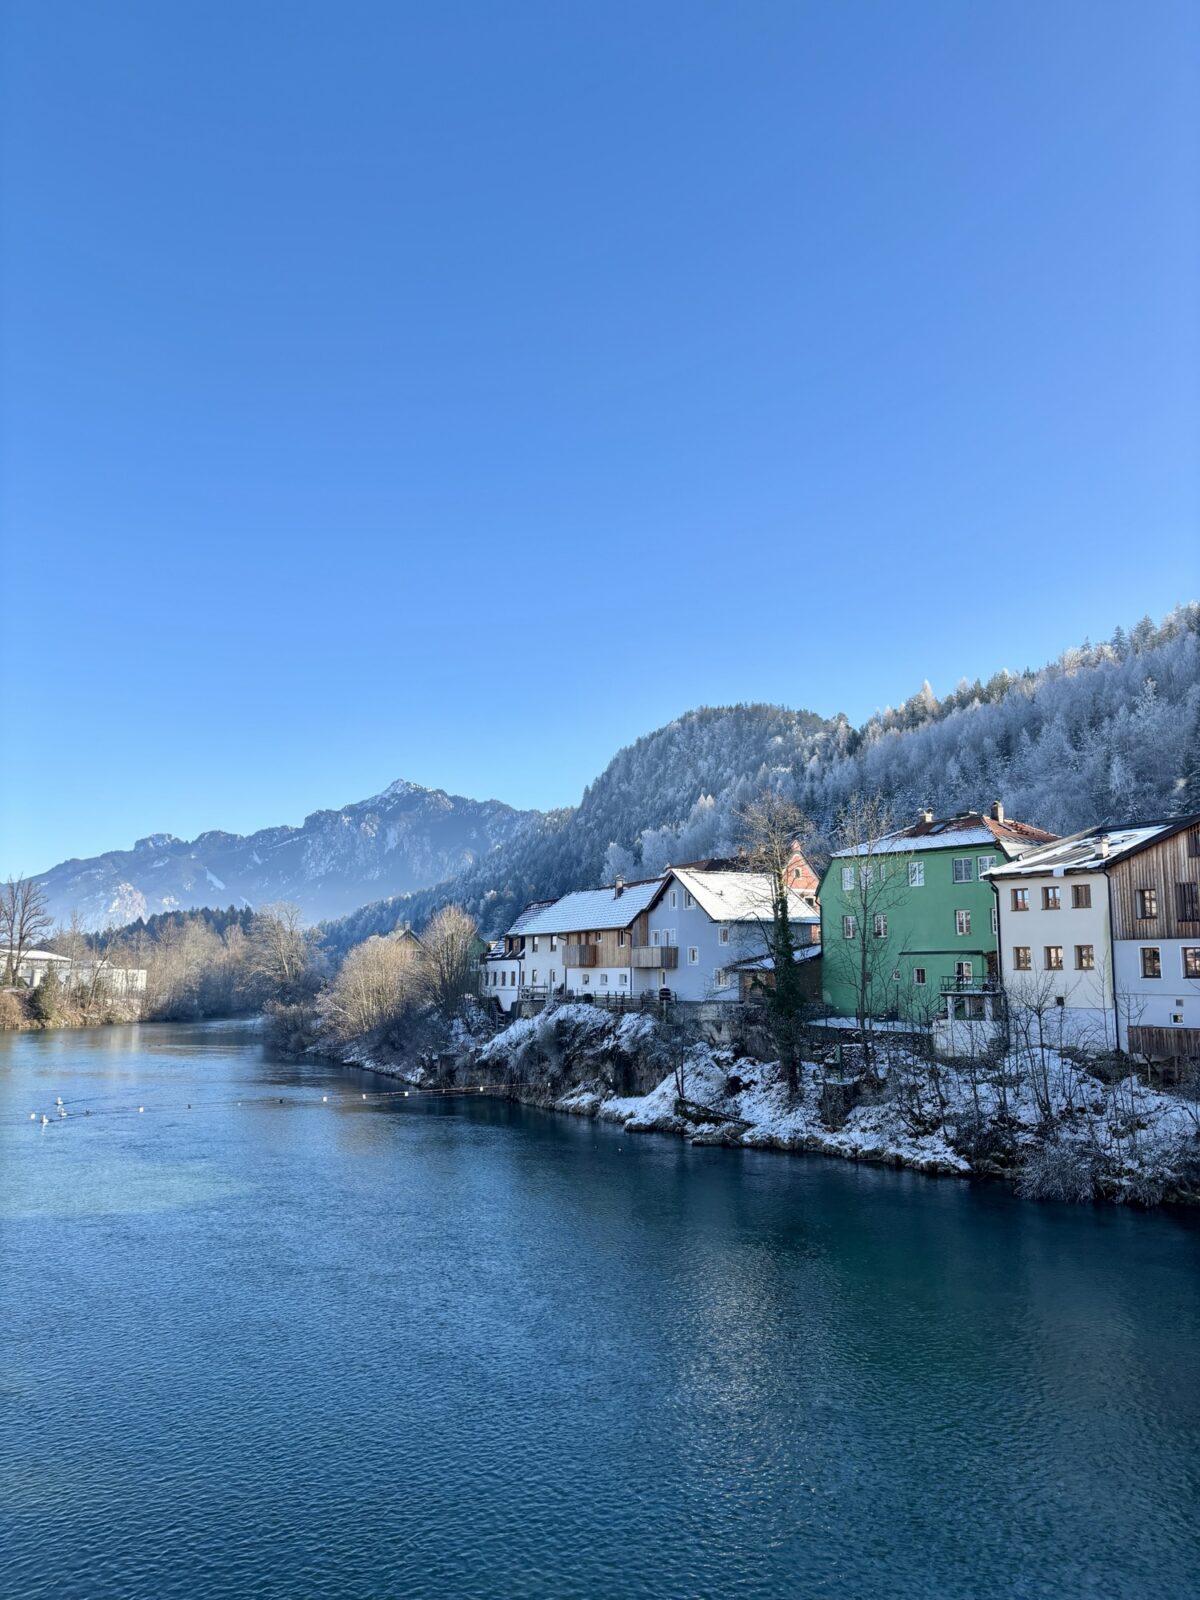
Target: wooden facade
x=1164, y=1044
x=1169, y=871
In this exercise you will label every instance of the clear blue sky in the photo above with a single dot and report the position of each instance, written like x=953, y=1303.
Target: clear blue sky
x=457, y=392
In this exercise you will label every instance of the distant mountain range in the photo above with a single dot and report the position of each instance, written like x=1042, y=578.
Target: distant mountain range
x=402, y=840
x=1107, y=732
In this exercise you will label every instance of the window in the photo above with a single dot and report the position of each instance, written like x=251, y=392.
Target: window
x=1151, y=961
x=620, y=937
x=535, y=947
x=554, y=941
x=1081, y=896
x=1187, y=902
x=624, y=978
x=723, y=936
x=670, y=935
x=689, y=899
x=693, y=955
x=720, y=978
x=847, y=880
x=849, y=927
x=604, y=979
x=1147, y=903
x=895, y=974
x=880, y=929
x=1191, y=961
x=963, y=972
x=919, y=977
x=533, y=976
x=986, y=863
x=1054, y=958
x=1052, y=899
x=587, y=977
x=995, y=919
x=1022, y=958
x=654, y=936
x=964, y=869
x=865, y=877
x=598, y=937
x=553, y=975
x=504, y=980
x=916, y=874
x=674, y=898
x=962, y=923
x=1020, y=899
x=1194, y=842
x=1085, y=958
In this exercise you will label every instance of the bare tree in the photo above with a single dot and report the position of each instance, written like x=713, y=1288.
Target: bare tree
x=774, y=829
x=24, y=919
x=447, y=961
x=376, y=981
x=874, y=883
x=280, y=947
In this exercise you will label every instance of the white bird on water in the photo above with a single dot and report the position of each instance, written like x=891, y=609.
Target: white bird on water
x=45, y=1120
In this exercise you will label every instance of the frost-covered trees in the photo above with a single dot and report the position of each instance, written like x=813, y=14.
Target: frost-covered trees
x=449, y=945
x=1105, y=733
x=375, y=983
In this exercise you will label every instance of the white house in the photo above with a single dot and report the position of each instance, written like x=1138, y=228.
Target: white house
x=1104, y=927
x=508, y=970
x=706, y=921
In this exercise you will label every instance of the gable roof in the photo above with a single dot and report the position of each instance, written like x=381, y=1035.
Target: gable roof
x=967, y=830
x=737, y=896
x=1095, y=849
x=587, y=910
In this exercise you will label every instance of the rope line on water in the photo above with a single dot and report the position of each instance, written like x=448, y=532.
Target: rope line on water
x=63, y=1111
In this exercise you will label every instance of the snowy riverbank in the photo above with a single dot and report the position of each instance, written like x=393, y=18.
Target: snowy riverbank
x=1052, y=1126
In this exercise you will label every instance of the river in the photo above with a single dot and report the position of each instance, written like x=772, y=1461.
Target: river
x=266, y=1338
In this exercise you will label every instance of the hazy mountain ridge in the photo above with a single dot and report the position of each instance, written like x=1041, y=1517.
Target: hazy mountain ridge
x=404, y=839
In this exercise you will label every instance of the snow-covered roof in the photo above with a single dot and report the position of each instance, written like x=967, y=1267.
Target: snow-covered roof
x=739, y=896
x=1093, y=850
x=530, y=911
x=588, y=910
x=807, y=952
x=968, y=830
x=33, y=955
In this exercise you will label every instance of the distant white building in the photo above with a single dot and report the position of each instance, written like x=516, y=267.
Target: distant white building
x=35, y=965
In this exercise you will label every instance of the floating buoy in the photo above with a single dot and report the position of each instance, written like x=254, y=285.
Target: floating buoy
x=364, y=1097
x=141, y=1108
x=33, y=1116
x=324, y=1099
x=406, y=1094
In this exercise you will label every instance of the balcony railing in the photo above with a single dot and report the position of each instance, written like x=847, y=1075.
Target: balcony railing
x=984, y=985
x=665, y=956
x=581, y=955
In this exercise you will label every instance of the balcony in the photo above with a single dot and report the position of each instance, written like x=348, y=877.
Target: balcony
x=985, y=985
x=665, y=956
x=580, y=955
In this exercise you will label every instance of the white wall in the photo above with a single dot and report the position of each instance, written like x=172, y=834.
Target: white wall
x=1155, y=1002
x=690, y=927
x=599, y=981
x=1089, y=994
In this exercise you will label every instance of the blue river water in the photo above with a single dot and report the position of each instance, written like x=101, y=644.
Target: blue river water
x=266, y=1338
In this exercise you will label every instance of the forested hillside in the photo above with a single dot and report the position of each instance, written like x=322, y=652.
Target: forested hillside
x=1107, y=731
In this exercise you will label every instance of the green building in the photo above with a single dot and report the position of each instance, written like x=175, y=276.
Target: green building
x=910, y=915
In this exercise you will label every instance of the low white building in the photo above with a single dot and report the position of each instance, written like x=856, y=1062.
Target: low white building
x=36, y=965
x=508, y=971
x=1100, y=933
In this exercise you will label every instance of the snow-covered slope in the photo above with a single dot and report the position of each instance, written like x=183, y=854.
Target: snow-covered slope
x=404, y=839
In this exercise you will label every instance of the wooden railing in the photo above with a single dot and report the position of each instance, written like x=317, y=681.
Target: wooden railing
x=580, y=955
x=665, y=956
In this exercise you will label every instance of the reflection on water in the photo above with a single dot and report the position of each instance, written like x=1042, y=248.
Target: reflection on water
x=265, y=1337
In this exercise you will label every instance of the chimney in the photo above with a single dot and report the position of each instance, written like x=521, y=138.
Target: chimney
x=997, y=811
x=925, y=815
x=619, y=886
x=1102, y=847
